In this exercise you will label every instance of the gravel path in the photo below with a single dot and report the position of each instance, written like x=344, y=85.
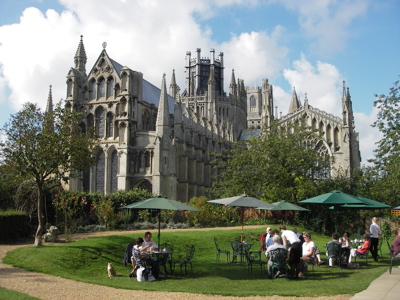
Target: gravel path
x=49, y=287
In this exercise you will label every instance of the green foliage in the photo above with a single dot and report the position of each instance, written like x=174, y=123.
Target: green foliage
x=211, y=214
x=71, y=207
x=387, y=156
x=144, y=214
x=387, y=232
x=9, y=182
x=122, y=198
x=105, y=211
x=275, y=165
x=15, y=226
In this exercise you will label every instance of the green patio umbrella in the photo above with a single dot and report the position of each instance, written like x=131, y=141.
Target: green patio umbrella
x=334, y=198
x=242, y=201
x=366, y=204
x=284, y=205
x=159, y=203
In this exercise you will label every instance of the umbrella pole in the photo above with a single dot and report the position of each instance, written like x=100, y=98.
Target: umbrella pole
x=159, y=226
x=241, y=236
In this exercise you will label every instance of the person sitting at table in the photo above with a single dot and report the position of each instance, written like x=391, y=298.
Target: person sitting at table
x=264, y=238
x=276, y=244
x=396, y=244
x=308, y=253
x=345, y=240
x=335, y=240
x=270, y=241
x=299, y=235
x=295, y=250
x=148, y=242
x=361, y=250
x=143, y=259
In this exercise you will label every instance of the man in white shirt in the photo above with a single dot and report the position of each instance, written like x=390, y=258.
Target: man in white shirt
x=148, y=242
x=295, y=250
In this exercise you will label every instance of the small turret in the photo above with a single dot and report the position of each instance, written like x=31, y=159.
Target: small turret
x=233, y=85
x=295, y=103
x=49, y=105
x=173, y=87
x=49, y=118
x=162, y=123
x=80, y=58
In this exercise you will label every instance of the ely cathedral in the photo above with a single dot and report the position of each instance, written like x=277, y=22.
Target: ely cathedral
x=160, y=138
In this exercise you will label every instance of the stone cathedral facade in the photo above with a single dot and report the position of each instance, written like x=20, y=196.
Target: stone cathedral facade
x=160, y=139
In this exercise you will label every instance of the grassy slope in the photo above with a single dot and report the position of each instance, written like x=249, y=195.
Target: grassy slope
x=86, y=261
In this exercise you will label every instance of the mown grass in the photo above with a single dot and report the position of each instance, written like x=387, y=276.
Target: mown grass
x=86, y=261
x=8, y=294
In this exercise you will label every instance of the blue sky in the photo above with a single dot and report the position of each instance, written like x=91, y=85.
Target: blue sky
x=311, y=45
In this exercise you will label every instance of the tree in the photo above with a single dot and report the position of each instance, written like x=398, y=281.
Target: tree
x=386, y=164
x=281, y=163
x=9, y=183
x=46, y=148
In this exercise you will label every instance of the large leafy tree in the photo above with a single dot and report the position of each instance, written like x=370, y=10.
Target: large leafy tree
x=281, y=163
x=386, y=163
x=47, y=148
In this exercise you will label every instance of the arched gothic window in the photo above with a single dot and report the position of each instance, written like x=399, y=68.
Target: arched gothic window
x=110, y=125
x=100, y=167
x=253, y=104
x=69, y=88
x=90, y=121
x=100, y=122
x=110, y=88
x=113, y=171
x=102, y=88
x=93, y=91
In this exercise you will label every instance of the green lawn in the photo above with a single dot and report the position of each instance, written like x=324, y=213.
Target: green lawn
x=8, y=294
x=86, y=261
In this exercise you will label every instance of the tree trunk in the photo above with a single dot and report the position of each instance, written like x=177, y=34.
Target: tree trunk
x=41, y=220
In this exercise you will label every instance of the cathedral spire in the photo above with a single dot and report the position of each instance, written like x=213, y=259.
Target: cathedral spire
x=80, y=58
x=173, y=87
x=347, y=109
x=49, y=106
x=232, y=85
x=295, y=103
x=162, y=123
x=49, y=117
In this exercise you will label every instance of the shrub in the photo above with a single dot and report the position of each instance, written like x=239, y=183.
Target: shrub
x=15, y=226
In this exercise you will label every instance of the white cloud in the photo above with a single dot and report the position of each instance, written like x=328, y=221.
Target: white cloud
x=148, y=36
x=255, y=56
x=322, y=83
x=327, y=21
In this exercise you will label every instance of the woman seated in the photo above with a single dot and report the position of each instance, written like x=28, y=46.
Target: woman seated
x=345, y=240
x=361, y=250
x=143, y=259
x=310, y=252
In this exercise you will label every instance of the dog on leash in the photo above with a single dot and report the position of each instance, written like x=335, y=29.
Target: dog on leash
x=111, y=270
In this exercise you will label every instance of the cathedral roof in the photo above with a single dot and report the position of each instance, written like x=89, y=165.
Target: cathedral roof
x=151, y=94
x=116, y=65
